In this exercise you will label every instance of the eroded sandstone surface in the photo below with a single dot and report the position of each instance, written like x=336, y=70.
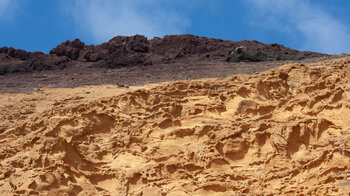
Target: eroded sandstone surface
x=285, y=131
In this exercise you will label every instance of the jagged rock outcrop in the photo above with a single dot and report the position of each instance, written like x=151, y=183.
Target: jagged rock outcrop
x=137, y=50
x=20, y=61
x=70, y=49
x=123, y=51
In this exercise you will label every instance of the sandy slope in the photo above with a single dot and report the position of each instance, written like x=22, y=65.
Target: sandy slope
x=283, y=131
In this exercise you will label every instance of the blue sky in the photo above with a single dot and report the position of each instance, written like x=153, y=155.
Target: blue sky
x=314, y=25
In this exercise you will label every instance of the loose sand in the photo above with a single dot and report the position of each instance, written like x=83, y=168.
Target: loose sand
x=285, y=131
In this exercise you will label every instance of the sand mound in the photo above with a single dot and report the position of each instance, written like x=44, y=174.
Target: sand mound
x=283, y=131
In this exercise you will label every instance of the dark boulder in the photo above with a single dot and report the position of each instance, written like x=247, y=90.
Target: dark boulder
x=70, y=49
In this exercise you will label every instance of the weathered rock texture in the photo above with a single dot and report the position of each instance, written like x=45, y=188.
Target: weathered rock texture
x=285, y=131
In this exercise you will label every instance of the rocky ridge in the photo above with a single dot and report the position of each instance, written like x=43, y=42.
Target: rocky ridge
x=122, y=51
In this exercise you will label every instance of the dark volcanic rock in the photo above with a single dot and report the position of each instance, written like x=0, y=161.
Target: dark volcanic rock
x=70, y=49
x=123, y=51
x=18, y=53
x=16, y=61
x=186, y=44
x=137, y=50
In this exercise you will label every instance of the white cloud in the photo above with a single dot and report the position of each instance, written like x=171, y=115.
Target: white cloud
x=3, y=5
x=7, y=8
x=109, y=18
x=311, y=25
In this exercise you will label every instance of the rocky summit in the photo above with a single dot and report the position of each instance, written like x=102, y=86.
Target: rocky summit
x=122, y=51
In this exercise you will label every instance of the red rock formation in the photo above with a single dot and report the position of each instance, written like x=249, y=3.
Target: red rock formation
x=124, y=51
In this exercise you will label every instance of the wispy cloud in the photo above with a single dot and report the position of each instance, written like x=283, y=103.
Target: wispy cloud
x=7, y=8
x=108, y=18
x=311, y=25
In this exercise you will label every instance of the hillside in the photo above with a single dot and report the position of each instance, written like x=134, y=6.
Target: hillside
x=284, y=131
